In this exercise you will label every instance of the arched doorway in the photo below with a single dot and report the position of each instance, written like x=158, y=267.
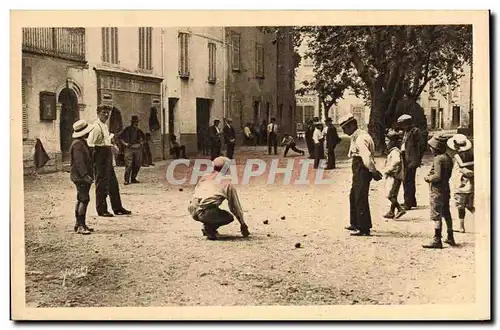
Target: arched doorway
x=69, y=115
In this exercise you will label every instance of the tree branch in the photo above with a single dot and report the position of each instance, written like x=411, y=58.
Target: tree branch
x=360, y=67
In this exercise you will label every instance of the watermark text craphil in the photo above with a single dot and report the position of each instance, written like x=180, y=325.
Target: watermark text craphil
x=274, y=171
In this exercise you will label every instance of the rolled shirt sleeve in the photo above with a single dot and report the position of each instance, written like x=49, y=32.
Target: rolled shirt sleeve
x=366, y=149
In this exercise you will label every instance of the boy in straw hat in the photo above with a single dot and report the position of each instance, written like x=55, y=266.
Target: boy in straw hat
x=463, y=176
x=394, y=174
x=209, y=193
x=439, y=182
x=81, y=173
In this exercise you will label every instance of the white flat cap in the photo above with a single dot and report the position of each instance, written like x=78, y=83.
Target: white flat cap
x=403, y=118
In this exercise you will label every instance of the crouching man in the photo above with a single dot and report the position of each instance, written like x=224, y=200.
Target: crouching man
x=209, y=193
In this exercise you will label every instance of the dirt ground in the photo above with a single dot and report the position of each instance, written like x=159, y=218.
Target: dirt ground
x=158, y=257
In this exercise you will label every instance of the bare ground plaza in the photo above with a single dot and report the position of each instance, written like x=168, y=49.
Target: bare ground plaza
x=158, y=257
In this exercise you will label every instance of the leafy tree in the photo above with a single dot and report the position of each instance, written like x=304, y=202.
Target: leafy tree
x=389, y=66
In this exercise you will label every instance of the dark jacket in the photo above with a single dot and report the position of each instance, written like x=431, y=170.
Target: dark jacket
x=228, y=134
x=115, y=121
x=332, y=138
x=440, y=173
x=154, y=123
x=40, y=157
x=128, y=135
x=414, y=148
x=81, y=161
x=213, y=136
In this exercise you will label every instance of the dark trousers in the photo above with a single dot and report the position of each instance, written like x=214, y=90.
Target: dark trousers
x=272, y=141
x=147, y=156
x=319, y=153
x=358, y=198
x=230, y=150
x=292, y=146
x=409, y=187
x=214, y=151
x=105, y=181
x=179, y=151
x=133, y=162
x=82, y=198
x=215, y=217
x=331, y=158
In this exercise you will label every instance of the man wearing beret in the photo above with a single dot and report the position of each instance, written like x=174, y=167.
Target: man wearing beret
x=212, y=189
x=361, y=151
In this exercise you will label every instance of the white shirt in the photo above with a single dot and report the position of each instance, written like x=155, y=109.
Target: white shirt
x=270, y=128
x=318, y=135
x=362, y=146
x=100, y=136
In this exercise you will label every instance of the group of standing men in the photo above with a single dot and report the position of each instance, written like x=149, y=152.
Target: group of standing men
x=316, y=134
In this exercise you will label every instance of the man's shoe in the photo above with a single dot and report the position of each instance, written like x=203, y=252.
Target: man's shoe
x=400, y=213
x=361, y=233
x=406, y=207
x=351, y=228
x=105, y=214
x=450, y=240
x=435, y=244
x=134, y=181
x=389, y=215
x=82, y=231
x=123, y=212
x=126, y=183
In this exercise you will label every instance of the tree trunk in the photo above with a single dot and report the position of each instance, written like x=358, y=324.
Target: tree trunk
x=377, y=124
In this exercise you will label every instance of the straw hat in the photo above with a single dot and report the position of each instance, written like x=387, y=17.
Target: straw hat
x=346, y=119
x=459, y=142
x=81, y=128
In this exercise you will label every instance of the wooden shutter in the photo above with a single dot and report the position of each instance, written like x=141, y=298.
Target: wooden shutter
x=24, y=109
x=235, y=51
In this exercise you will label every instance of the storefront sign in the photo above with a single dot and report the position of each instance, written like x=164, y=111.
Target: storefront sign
x=116, y=83
x=306, y=100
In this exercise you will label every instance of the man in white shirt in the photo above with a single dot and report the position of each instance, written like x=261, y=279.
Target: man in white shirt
x=272, y=136
x=319, y=143
x=209, y=194
x=361, y=151
x=102, y=143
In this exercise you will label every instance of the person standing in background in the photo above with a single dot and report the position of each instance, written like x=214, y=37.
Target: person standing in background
x=272, y=136
x=229, y=138
x=214, y=138
x=319, y=144
x=132, y=138
x=332, y=140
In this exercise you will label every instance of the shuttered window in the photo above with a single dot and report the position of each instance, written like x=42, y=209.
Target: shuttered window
x=110, y=45
x=145, y=48
x=25, y=109
x=211, y=62
x=183, y=55
x=235, y=51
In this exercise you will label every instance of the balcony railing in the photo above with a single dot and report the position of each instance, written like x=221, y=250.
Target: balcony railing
x=67, y=43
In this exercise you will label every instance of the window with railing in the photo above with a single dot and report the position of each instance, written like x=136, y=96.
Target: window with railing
x=145, y=48
x=67, y=43
x=183, y=55
x=110, y=45
x=259, y=61
x=212, y=77
x=235, y=51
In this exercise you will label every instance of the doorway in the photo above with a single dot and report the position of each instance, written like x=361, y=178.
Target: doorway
x=69, y=115
x=455, y=119
x=172, y=101
x=256, y=106
x=203, y=107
